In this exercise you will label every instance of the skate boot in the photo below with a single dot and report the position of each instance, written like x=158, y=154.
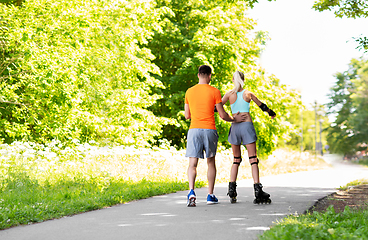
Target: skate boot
x=232, y=192
x=261, y=196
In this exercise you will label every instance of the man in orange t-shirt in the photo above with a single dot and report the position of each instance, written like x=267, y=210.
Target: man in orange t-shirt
x=200, y=102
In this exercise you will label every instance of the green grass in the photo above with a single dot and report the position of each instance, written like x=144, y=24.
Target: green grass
x=24, y=201
x=364, y=162
x=349, y=224
x=354, y=183
x=39, y=183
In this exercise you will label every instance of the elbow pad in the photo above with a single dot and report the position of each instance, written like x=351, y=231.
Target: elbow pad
x=263, y=107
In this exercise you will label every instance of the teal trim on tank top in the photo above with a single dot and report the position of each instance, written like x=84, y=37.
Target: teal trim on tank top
x=240, y=105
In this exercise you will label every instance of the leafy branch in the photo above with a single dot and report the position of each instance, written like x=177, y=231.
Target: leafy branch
x=346, y=8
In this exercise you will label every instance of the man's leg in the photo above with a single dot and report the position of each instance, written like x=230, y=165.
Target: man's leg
x=211, y=174
x=192, y=171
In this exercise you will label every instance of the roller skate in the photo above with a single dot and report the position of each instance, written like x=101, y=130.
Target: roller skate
x=232, y=192
x=261, y=196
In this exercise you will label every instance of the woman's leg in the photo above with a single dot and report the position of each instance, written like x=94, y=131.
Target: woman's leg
x=252, y=152
x=235, y=167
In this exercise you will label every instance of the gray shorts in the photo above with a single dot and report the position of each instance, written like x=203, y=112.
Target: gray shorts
x=199, y=140
x=243, y=132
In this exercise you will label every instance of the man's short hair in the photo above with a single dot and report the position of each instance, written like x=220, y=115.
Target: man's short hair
x=205, y=70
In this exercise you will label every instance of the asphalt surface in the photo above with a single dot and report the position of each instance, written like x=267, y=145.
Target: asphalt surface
x=167, y=217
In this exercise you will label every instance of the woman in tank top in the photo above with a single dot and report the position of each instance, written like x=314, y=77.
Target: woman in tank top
x=244, y=134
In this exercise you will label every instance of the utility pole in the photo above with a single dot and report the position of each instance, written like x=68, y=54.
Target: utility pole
x=301, y=126
x=315, y=129
x=301, y=131
x=320, y=135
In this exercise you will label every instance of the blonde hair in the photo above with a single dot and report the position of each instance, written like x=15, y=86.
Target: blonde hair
x=238, y=81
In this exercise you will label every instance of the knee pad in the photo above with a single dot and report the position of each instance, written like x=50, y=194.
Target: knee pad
x=238, y=163
x=253, y=161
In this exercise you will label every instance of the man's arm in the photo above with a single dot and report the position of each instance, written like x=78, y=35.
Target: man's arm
x=187, y=111
x=225, y=116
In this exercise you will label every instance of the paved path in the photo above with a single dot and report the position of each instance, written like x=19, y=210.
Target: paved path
x=167, y=217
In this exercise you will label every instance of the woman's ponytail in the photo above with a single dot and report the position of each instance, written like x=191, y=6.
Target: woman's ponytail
x=238, y=81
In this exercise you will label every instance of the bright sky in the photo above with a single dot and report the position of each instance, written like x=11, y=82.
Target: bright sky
x=307, y=47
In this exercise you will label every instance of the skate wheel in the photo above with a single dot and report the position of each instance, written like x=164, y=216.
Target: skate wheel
x=233, y=200
x=269, y=201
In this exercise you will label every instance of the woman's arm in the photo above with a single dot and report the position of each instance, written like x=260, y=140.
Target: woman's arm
x=255, y=99
x=225, y=98
x=263, y=106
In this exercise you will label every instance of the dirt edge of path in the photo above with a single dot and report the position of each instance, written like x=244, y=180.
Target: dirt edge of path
x=355, y=197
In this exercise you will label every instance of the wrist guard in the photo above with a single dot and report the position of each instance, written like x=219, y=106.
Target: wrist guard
x=215, y=110
x=271, y=113
x=263, y=107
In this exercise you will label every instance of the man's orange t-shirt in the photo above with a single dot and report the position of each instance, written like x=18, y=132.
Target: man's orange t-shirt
x=202, y=99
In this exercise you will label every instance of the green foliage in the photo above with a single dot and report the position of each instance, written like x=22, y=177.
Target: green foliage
x=363, y=43
x=216, y=33
x=196, y=33
x=350, y=224
x=116, y=72
x=77, y=69
x=346, y=8
x=304, y=122
x=343, y=8
x=12, y=2
x=349, y=99
x=364, y=162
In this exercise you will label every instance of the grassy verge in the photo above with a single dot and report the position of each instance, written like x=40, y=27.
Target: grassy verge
x=354, y=183
x=348, y=224
x=364, y=162
x=41, y=182
x=32, y=202
x=329, y=225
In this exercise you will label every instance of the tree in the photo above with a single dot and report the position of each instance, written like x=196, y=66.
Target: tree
x=346, y=8
x=117, y=71
x=77, y=69
x=360, y=99
x=304, y=133
x=216, y=33
x=349, y=104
